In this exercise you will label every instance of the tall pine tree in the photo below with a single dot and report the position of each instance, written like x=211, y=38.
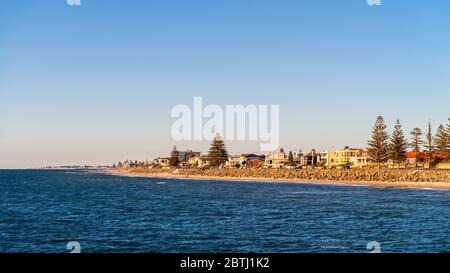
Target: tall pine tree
x=217, y=154
x=448, y=138
x=416, y=142
x=429, y=144
x=174, y=160
x=377, y=147
x=290, y=159
x=397, y=144
x=441, y=139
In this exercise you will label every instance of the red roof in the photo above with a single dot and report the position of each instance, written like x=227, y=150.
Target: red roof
x=440, y=155
x=414, y=154
x=422, y=155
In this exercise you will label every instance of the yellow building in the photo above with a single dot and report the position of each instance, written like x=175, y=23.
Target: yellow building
x=193, y=161
x=199, y=161
x=347, y=156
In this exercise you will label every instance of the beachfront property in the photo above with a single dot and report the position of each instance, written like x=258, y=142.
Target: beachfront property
x=234, y=161
x=346, y=157
x=245, y=160
x=186, y=155
x=310, y=159
x=421, y=158
x=413, y=157
x=255, y=163
x=354, y=157
x=162, y=161
x=252, y=157
x=199, y=161
x=253, y=160
x=275, y=160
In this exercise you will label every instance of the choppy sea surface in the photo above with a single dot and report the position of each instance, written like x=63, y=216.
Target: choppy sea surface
x=44, y=210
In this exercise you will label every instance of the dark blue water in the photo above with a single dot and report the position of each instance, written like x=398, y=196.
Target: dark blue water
x=42, y=210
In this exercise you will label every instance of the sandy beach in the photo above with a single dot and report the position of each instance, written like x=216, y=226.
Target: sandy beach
x=375, y=184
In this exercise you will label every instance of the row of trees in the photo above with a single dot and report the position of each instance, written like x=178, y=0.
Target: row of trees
x=382, y=147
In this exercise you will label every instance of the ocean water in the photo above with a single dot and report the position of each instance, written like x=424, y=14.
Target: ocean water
x=44, y=210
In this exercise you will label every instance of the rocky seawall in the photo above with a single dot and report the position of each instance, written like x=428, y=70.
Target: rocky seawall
x=372, y=175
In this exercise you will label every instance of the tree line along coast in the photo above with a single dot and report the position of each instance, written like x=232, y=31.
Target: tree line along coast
x=384, y=150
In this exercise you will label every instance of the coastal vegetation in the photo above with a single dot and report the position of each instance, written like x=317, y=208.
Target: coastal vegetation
x=387, y=158
x=377, y=147
x=441, y=139
x=397, y=144
x=218, y=153
x=416, y=143
x=174, y=157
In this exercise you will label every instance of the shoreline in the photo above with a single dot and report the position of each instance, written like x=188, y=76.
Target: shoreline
x=371, y=184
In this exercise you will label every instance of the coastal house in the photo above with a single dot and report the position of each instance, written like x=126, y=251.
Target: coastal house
x=203, y=161
x=324, y=157
x=413, y=157
x=440, y=156
x=348, y=156
x=362, y=159
x=199, y=161
x=183, y=163
x=234, y=161
x=310, y=159
x=193, y=161
x=275, y=160
x=249, y=157
x=243, y=160
x=298, y=157
x=252, y=160
x=185, y=155
x=163, y=161
x=328, y=157
x=254, y=163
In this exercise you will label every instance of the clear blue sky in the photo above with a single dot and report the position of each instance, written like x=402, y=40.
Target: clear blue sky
x=95, y=83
